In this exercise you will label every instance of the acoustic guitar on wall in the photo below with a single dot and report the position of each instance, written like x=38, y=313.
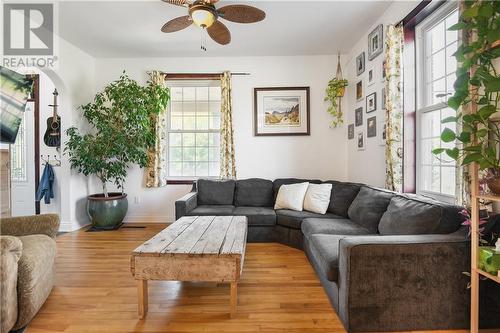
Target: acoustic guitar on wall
x=52, y=137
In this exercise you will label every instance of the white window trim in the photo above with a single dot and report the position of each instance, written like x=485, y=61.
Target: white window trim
x=421, y=98
x=186, y=83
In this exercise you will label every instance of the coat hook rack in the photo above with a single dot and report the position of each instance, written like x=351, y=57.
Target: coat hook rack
x=56, y=162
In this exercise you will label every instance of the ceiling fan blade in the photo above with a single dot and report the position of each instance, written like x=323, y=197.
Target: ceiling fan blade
x=219, y=33
x=241, y=13
x=177, y=24
x=183, y=3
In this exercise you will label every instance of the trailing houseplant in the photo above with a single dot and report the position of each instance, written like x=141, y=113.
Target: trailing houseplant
x=334, y=91
x=477, y=81
x=121, y=131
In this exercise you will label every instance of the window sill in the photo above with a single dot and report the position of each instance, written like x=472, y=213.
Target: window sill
x=180, y=182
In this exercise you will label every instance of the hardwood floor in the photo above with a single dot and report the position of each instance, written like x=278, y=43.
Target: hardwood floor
x=95, y=292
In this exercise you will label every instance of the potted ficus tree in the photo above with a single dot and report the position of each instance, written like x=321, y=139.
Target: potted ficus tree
x=121, y=131
x=477, y=81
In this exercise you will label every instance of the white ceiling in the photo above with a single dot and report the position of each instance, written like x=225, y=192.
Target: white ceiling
x=132, y=28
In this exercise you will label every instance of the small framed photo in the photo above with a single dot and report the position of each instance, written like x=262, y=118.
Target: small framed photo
x=371, y=127
x=358, y=116
x=375, y=42
x=281, y=111
x=371, y=102
x=371, y=79
x=361, y=141
x=383, y=99
x=382, y=130
x=360, y=63
x=383, y=69
x=359, y=90
x=350, y=131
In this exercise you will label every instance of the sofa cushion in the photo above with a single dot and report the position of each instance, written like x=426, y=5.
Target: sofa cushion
x=293, y=219
x=204, y=210
x=405, y=216
x=342, y=196
x=254, y=192
x=35, y=274
x=369, y=206
x=257, y=216
x=311, y=226
x=325, y=252
x=286, y=181
x=317, y=198
x=215, y=192
x=291, y=196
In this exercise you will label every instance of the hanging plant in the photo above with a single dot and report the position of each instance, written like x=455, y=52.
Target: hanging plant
x=334, y=91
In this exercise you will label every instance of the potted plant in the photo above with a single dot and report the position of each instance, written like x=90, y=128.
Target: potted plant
x=334, y=92
x=121, y=131
x=477, y=81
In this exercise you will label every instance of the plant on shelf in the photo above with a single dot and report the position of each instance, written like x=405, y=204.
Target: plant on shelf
x=121, y=131
x=477, y=81
x=334, y=92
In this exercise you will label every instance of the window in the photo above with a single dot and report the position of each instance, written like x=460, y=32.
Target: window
x=193, y=129
x=436, y=69
x=18, y=154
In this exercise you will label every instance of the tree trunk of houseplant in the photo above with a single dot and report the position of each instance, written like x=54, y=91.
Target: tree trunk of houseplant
x=107, y=213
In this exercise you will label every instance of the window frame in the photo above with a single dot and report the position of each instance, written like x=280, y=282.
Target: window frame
x=422, y=92
x=189, y=79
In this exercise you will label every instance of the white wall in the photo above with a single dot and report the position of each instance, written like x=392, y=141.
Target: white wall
x=368, y=165
x=320, y=155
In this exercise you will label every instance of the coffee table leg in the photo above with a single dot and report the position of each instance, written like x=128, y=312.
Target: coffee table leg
x=234, y=298
x=142, y=288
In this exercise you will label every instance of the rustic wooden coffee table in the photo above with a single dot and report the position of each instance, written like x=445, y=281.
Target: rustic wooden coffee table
x=194, y=248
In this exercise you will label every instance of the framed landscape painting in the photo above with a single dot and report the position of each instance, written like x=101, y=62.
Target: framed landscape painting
x=281, y=111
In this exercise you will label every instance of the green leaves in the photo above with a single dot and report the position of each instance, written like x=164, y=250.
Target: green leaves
x=448, y=135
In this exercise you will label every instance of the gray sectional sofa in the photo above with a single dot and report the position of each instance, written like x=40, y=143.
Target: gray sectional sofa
x=387, y=261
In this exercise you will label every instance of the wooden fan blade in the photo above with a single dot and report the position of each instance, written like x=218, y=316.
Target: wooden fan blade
x=219, y=33
x=177, y=24
x=183, y=3
x=241, y=13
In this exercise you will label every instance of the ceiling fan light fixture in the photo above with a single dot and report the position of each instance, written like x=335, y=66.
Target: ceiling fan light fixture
x=203, y=16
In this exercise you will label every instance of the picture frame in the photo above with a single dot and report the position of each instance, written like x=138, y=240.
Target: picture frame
x=371, y=102
x=371, y=127
x=280, y=111
x=382, y=131
x=360, y=64
x=383, y=96
x=359, y=90
x=360, y=141
x=371, y=76
x=375, y=42
x=350, y=131
x=358, y=117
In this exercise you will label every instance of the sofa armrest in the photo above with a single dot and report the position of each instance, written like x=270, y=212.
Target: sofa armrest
x=404, y=282
x=185, y=204
x=47, y=224
x=10, y=252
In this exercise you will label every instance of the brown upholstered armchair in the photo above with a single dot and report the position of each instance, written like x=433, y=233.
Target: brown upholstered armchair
x=28, y=251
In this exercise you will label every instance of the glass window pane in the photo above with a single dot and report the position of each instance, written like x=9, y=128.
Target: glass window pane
x=188, y=169
x=201, y=169
x=175, y=94
x=201, y=139
x=438, y=91
x=189, y=154
x=202, y=93
x=430, y=124
x=176, y=123
x=214, y=107
x=188, y=139
x=175, y=169
x=451, y=62
x=445, y=113
x=214, y=169
x=431, y=178
x=451, y=20
x=436, y=37
x=450, y=81
x=176, y=108
x=214, y=139
x=175, y=139
x=189, y=108
x=189, y=93
x=202, y=108
x=426, y=147
x=201, y=123
x=214, y=154
x=189, y=123
x=201, y=153
x=214, y=93
x=175, y=154
x=214, y=122
x=448, y=180
x=438, y=65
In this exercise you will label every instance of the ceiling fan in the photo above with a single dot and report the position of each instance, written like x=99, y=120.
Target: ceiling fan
x=204, y=14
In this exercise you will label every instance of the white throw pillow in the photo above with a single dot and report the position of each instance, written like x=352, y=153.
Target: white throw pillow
x=291, y=196
x=317, y=198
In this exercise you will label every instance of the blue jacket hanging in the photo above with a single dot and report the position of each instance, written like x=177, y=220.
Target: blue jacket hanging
x=45, y=189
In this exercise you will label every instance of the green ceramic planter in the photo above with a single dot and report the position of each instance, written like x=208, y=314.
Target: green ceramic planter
x=107, y=213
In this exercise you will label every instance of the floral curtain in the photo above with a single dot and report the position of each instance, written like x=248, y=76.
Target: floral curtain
x=394, y=108
x=227, y=161
x=156, y=171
